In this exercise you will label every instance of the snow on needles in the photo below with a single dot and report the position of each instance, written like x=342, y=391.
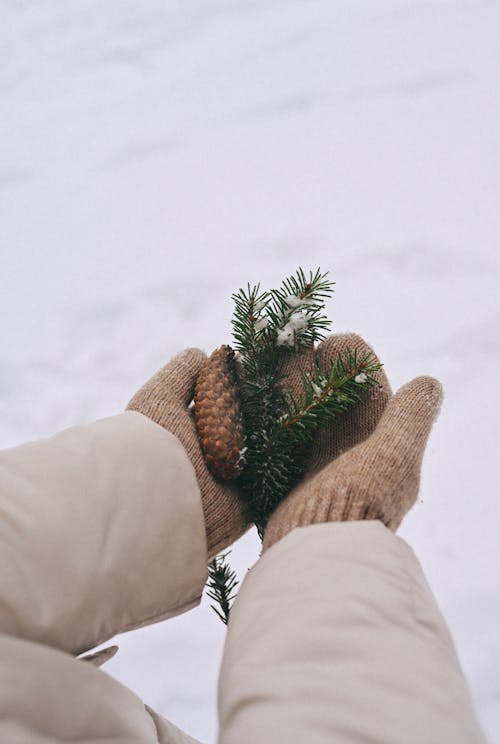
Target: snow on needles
x=297, y=322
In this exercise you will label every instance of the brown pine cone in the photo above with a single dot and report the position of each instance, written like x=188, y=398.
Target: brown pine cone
x=218, y=414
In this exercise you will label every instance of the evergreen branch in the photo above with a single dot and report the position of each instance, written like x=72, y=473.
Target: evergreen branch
x=222, y=582
x=276, y=458
x=328, y=395
x=295, y=309
x=248, y=309
x=267, y=327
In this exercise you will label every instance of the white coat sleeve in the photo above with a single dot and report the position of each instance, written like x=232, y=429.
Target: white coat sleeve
x=49, y=697
x=335, y=637
x=101, y=531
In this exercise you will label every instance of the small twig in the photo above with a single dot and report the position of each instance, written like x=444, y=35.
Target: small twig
x=221, y=584
x=328, y=391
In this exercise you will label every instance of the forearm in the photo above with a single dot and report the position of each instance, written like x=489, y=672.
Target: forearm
x=335, y=636
x=101, y=531
x=48, y=696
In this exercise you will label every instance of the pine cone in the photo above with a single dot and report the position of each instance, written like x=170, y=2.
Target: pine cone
x=218, y=414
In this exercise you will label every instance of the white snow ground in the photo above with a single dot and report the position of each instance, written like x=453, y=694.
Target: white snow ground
x=158, y=155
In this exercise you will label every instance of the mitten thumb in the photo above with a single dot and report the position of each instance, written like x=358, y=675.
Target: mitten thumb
x=171, y=388
x=396, y=448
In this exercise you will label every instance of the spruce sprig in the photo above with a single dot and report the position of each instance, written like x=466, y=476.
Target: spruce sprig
x=222, y=582
x=326, y=395
x=248, y=308
x=304, y=297
x=268, y=326
x=276, y=458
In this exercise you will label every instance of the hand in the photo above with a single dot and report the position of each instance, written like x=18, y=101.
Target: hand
x=165, y=399
x=358, y=422
x=366, y=464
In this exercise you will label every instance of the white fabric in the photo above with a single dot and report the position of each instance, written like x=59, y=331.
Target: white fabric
x=47, y=697
x=335, y=637
x=101, y=531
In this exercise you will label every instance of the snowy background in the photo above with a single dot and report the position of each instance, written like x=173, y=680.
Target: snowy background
x=155, y=156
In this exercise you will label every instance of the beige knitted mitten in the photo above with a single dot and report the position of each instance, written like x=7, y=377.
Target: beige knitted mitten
x=378, y=478
x=165, y=399
x=357, y=423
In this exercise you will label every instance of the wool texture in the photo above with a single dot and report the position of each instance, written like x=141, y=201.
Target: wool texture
x=165, y=399
x=376, y=479
x=365, y=464
x=359, y=421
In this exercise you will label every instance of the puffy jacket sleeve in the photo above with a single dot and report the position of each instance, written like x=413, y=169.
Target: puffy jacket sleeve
x=335, y=637
x=49, y=697
x=101, y=531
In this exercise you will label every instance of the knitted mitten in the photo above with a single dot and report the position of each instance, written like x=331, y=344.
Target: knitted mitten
x=378, y=478
x=165, y=399
x=355, y=424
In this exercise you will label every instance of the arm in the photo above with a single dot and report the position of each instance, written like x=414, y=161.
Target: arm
x=47, y=697
x=102, y=531
x=103, y=528
x=335, y=637
x=109, y=526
